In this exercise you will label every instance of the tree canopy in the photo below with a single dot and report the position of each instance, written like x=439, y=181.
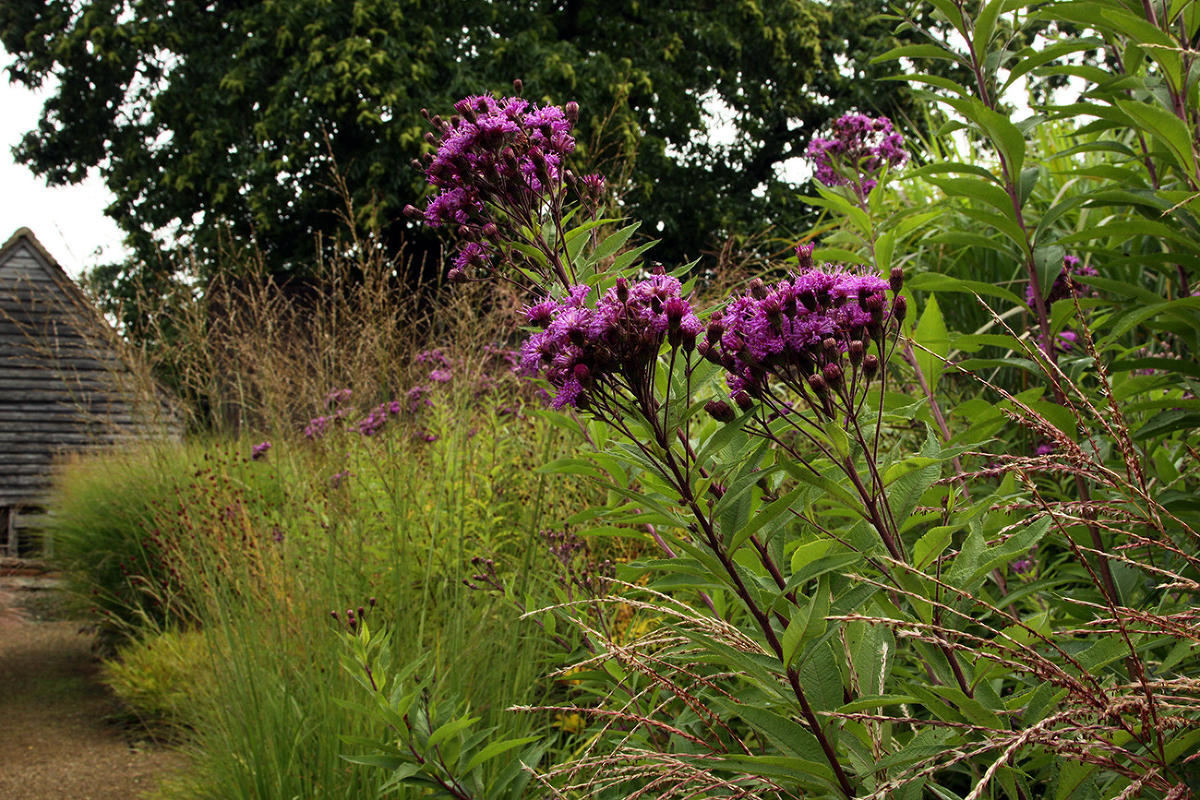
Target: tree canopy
x=212, y=118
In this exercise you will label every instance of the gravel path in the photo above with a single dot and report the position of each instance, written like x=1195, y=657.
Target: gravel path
x=55, y=740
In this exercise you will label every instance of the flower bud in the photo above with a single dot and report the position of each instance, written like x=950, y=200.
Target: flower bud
x=622, y=288
x=818, y=384
x=490, y=231
x=833, y=375
x=715, y=329
x=719, y=410
x=571, y=111
x=900, y=307
x=429, y=137
x=896, y=280
x=518, y=86
x=855, y=351
x=830, y=347
x=870, y=365
x=688, y=341
x=456, y=275
x=804, y=258
x=743, y=400
x=412, y=212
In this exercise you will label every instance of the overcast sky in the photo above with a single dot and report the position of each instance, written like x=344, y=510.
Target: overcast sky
x=68, y=220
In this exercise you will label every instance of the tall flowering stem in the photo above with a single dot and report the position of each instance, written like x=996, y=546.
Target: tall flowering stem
x=499, y=175
x=858, y=150
x=802, y=357
x=808, y=349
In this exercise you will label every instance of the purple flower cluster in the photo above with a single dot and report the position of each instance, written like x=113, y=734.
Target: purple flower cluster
x=417, y=398
x=798, y=326
x=504, y=153
x=377, y=418
x=434, y=357
x=317, y=426
x=859, y=149
x=337, y=398
x=259, y=451
x=580, y=347
x=1063, y=283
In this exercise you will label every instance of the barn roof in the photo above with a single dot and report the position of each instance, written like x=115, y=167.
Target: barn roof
x=65, y=384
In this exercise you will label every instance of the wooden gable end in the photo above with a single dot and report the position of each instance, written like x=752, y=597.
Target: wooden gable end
x=64, y=387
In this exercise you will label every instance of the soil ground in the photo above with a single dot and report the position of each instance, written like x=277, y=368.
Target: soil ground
x=58, y=737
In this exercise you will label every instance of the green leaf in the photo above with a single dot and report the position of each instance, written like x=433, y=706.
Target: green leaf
x=976, y=189
x=496, y=748
x=985, y=28
x=398, y=764
x=830, y=487
x=612, y=243
x=1030, y=58
x=450, y=729
x=627, y=259
x=932, y=281
x=931, y=334
x=932, y=544
x=1169, y=422
x=1007, y=138
x=905, y=493
x=916, y=51
x=976, y=559
x=766, y=516
x=785, y=734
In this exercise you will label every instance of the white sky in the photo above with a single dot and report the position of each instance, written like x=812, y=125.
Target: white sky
x=68, y=220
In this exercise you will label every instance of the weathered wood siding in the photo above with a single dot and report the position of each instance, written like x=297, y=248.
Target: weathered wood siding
x=63, y=386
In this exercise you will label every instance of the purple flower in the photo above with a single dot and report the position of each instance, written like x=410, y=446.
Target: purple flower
x=1021, y=566
x=860, y=148
x=441, y=375
x=496, y=153
x=259, y=451
x=316, y=427
x=335, y=480
x=1044, y=449
x=473, y=255
x=592, y=186
x=782, y=329
x=337, y=397
x=434, y=356
x=417, y=398
x=581, y=348
x=376, y=419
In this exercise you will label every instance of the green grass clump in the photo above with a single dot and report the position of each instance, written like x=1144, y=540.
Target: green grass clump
x=217, y=565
